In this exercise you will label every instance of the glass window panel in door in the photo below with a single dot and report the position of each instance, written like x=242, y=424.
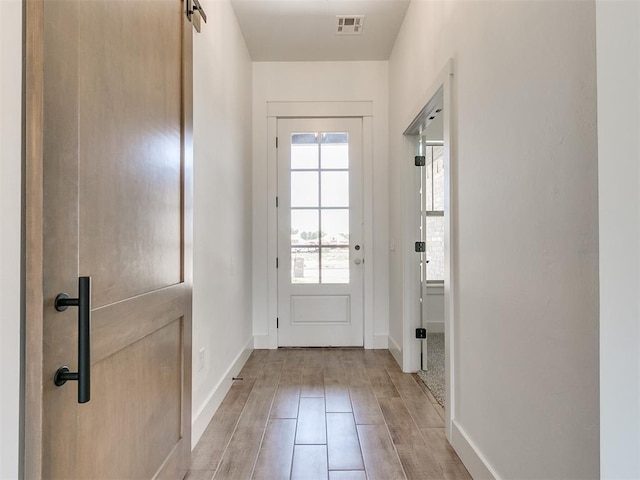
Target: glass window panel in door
x=304, y=151
x=305, y=263
x=335, y=227
x=335, y=265
x=334, y=150
x=335, y=189
x=305, y=227
x=304, y=189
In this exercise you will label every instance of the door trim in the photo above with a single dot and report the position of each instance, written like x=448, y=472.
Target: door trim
x=276, y=110
x=31, y=442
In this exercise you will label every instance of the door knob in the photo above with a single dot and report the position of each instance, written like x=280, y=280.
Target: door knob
x=357, y=261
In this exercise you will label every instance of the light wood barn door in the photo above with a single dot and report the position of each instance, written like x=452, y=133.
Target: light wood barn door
x=116, y=108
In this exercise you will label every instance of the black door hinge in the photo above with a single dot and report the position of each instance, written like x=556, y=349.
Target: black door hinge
x=276, y=142
x=421, y=333
x=276, y=202
x=420, y=160
x=421, y=247
x=276, y=262
x=277, y=322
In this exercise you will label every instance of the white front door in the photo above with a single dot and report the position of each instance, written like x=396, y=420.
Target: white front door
x=320, y=233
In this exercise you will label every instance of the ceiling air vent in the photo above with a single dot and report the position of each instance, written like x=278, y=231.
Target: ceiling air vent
x=349, y=24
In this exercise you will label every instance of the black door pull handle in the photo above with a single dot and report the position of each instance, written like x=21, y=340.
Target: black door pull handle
x=83, y=375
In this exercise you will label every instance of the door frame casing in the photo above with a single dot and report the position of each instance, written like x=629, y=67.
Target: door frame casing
x=32, y=256
x=441, y=87
x=276, y=110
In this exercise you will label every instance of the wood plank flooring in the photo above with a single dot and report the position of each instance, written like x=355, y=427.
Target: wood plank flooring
x=321, y=413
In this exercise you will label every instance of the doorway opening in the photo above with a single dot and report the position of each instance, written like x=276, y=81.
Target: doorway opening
x=323, y=117
x=431, y=257
x=432, y=266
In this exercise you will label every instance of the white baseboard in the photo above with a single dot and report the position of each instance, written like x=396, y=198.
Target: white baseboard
x=395, y=350
x=470, y=455
x=435, y=327
x=214, y=399
x=261, y=342
x=381, y=342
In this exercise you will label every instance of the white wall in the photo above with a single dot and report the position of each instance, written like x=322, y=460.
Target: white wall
x=526, y=224
x=321, y=81
x=618, y=37
x=10, y=179
x=222, y=208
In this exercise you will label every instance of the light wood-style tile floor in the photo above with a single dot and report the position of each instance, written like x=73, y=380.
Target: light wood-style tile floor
x=320, y=413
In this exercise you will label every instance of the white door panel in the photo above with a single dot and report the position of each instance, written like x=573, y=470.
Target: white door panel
x=320, y=234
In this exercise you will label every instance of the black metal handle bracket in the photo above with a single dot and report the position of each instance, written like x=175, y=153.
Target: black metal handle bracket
x=83, y=375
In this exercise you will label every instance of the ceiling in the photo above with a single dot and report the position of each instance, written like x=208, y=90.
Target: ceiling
x=305, y=30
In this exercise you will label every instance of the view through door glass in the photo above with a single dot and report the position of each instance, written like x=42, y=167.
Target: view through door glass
x=320, y=247
x=320, y=207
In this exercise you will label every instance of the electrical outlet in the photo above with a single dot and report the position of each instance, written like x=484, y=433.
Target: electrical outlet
x=201, y=359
